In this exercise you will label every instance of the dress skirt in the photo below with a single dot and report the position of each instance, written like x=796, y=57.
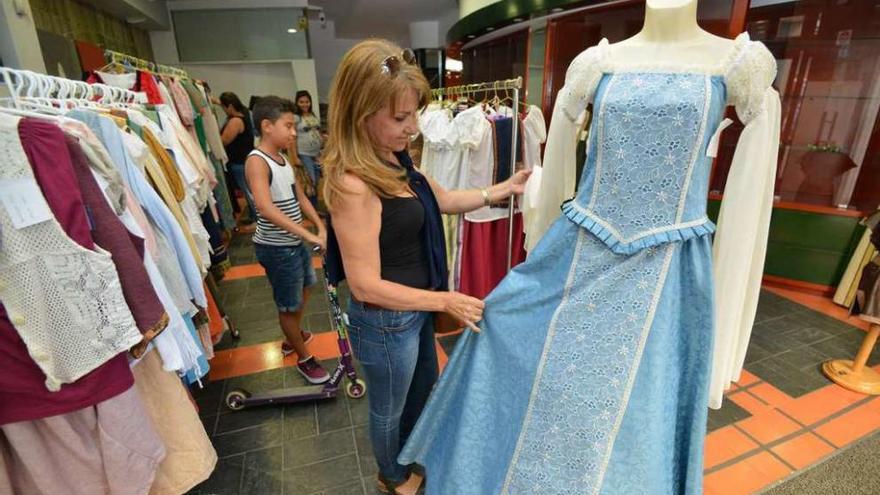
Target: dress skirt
x=590, y=376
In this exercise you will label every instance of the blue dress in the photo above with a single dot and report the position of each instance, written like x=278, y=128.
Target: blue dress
x=591, y=373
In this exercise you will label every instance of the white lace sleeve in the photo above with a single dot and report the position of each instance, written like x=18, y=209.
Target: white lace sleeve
x=743, y=224
x=554, y=182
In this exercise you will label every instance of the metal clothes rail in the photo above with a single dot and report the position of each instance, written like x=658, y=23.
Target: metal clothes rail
x=139, y=63
x=495, y=86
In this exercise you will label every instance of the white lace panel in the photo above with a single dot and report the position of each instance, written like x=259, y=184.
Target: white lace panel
x=65, y=301
x=748, y=78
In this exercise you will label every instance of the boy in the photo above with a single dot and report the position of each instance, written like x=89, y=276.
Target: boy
x=280, y=238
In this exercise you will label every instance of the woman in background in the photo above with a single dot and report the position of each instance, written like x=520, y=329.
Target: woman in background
x=238, y=139
x=309, y=142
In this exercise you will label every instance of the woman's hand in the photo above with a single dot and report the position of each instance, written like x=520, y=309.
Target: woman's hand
x=517, y=183
x=318, y=241
x=467, y=309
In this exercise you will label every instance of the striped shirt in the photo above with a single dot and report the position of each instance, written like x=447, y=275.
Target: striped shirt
x=282, y=188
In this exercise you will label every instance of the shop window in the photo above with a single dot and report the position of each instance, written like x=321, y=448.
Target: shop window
x=828, y=58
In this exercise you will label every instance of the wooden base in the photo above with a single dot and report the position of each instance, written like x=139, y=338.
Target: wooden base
x=840, y=371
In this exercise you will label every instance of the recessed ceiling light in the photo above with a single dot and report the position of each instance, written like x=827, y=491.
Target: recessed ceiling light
x=291, y=31
x=471, y=36
x=557, y=9
x=518, y=19
x=490, y=28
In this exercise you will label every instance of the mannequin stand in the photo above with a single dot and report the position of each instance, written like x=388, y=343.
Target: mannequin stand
x=854, y=375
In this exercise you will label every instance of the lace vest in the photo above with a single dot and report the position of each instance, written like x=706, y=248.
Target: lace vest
x=65, y=301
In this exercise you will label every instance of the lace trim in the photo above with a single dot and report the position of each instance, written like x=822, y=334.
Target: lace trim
x=740, y=43
x=654, y=237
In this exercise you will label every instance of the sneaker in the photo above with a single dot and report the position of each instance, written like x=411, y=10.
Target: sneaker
x=307, y=336
x=313, y=372
x=287, y=349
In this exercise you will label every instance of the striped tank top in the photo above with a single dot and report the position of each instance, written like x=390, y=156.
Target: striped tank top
x=281, y=186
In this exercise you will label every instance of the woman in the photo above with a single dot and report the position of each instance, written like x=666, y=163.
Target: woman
x=386, y=218
x=309, y=142
x=238, y=139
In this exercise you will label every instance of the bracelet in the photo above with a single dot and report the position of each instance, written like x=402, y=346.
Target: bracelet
x=486, y=199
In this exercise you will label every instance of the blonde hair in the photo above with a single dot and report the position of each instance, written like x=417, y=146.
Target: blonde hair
x=359, y=90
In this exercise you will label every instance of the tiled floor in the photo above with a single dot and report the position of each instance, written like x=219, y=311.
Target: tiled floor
x=782, y=417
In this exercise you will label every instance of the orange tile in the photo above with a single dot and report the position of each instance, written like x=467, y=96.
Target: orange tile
x=725, y=444
x=770, y=394
x=747, y=379
x=843, y=430
x=769, y=426
x=749, y=402
x=244, y=271
x=803, y=451
x=442, y=358
x=820, y=404
x=316, y=262
x=746, y=477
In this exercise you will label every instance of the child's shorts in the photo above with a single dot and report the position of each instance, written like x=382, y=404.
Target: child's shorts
x=290, y=271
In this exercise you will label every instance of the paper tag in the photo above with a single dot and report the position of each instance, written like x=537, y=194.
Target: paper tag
x=712, y=149
x=24, y=202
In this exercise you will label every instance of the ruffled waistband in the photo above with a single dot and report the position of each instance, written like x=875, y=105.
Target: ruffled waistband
x=650, y=239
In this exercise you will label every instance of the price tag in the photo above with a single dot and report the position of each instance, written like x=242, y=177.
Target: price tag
x=24, y=202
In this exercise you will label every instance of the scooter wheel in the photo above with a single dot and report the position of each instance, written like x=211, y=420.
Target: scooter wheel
x=356, y=390
x=235, y=399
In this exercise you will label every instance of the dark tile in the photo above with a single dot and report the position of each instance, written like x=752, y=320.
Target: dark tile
x=318, y=322
x=333, y=414
x=259, y=437
x=834, y=349
x=360, y=410
x=248, y=418
x=209, y=422
x=323, y=476
x=299, y=421
x=226, y=478
x=318, y=448
x=756, y=353
x=356, y=488
x=775, y=344
x=209, y=397
x=729, y=414
x=810, y=335
x=802, y=358
x=262, y=472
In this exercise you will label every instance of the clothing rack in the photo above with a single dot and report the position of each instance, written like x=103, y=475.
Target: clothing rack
x=504, y=85
x=25, y=85
x=139, y=63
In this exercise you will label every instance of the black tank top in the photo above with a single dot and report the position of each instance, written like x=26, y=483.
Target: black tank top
x=401, y=249
x=238, y=149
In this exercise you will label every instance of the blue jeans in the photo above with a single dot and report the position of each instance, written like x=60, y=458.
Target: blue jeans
x=290, y=272
x=237, y=170
x=396, y=350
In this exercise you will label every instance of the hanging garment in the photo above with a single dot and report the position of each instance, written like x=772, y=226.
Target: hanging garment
x=110, y=448
x=50, y=282
x=867, y=301
x=189, y=456
x=99, y=161
x=127, y=251
x=484, y=254
x=122, y=81
x=109, y=134
x=182, y=103
x=147, y=84
x=608, y=326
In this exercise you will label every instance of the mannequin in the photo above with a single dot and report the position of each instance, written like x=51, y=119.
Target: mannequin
x=671, y=35
x=619, y=291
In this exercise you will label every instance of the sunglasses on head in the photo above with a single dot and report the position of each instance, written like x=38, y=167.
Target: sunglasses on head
x=391, y=65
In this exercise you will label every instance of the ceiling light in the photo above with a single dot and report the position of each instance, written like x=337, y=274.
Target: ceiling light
x=471, y=36
x=490, y=29
x=557, y=9
x=518, y=19
x=291, y=31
